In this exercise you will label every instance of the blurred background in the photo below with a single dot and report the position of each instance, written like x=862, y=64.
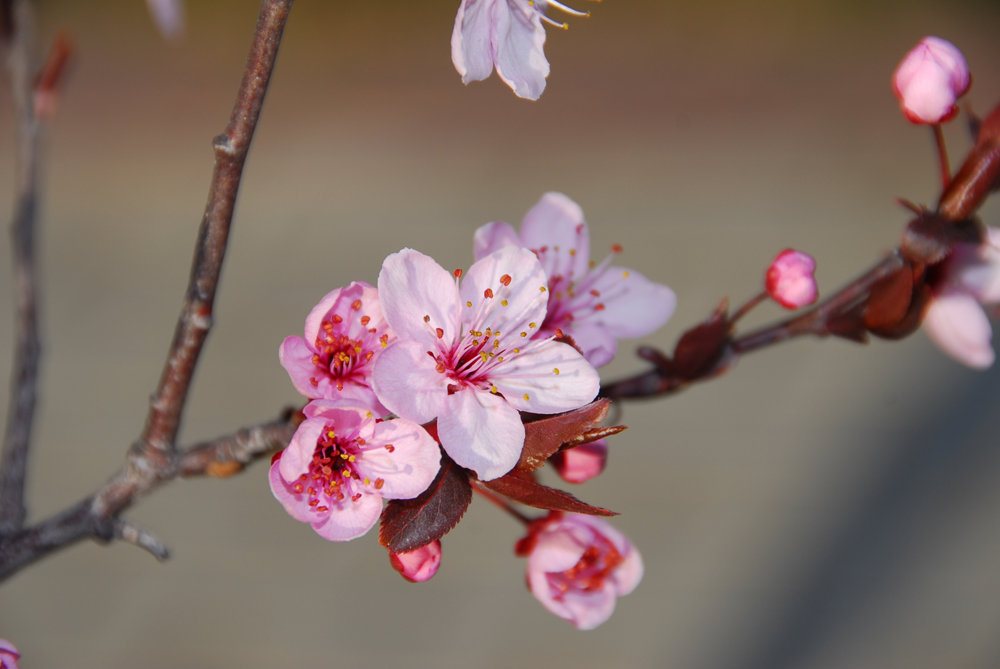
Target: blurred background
x=823, y=505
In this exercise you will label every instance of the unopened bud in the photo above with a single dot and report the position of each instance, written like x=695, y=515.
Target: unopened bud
x=419, y=565
x=582, y=463
x=790, y=281
x=929, y=80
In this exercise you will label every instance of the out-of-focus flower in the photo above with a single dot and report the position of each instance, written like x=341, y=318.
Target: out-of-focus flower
x=929, y=80
x=790, y=280
x=465, y=354
x=419, y=565
x=507, y=34
x=582, y=463
x=955, y=321
x=578, y=565
x=8, y=655
x=594, y=305
x=342, y=462
x=344, y=333
x=169, y=17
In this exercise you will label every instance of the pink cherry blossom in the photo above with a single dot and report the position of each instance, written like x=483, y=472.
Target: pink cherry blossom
x=419, y=565
x=342, y=462
x=578, y=565
x=169, y=17
x=582, y=463
x=466, y=356
x=8, y=655
x=594, y=305
x=344, y=333
x=955, y=321
x=507, y=34
x=790, y=281
x=929, y=80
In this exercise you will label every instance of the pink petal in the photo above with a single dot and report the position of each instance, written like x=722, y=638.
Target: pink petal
x=493, y=237
x=977, y=268
x=409, y=468
x=556, y=223
x=530, y=382
x=419, y=565
x=558, y=548
x=407, y=382
x=350, y=520
x=481, y=432
x=296, y=505
x=929, y=79
x=526, y=295
x=296, y=357
x=518, y=42
x=958, y=325
x=598, y=345
x=589, y=610
x=296, y=458
x=790, y=279
x=169, y=17
x=580, y=464
x=634, y=306
x=471, y=40
x=629, y=573
x=341, y=301
x=412, y=287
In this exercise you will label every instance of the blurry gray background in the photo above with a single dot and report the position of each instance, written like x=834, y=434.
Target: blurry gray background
x=823, y=505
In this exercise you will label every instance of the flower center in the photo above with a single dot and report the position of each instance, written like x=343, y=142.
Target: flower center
x=340, y=354
x=588, y=575
x=333, y=476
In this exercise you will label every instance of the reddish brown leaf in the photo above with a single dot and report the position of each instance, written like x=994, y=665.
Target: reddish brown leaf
x=409, y=524
x=849, y=324
x=539, y=496
x=545, y=436
x=929, y=238
x=701, y=347
x=592, y=436
x=913, y=317
x=890, y=299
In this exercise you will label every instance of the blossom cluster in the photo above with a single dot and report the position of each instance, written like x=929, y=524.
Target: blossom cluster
x=457, y=355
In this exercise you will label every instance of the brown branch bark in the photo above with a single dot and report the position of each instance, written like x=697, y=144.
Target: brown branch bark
x=92, y=517
x=24, y=381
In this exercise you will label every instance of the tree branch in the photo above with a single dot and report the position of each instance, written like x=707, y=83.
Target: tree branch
x=24, y=379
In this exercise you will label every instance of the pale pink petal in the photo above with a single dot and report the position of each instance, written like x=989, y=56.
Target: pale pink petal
x=493, y=237
x=341, y=301
x=409, y=467
x=929, y=79
x=580, y=464
x=348, y=415
x=419, y=565
x=407, y=382
x=526, y=294
x=481, y=432
x=634, y=306
x=589, y=610
x=471, y=39
x=169, y=17
x=350, y=519
x=556, y=224
x=977, y=268
x=958, y=325
x=418, y=296
x=598, y=345
x=629, y=573
x=546, y=378
x=295, y=504
x=296, y=458
x=558, y=548
x=518, y=43
x=296, y=357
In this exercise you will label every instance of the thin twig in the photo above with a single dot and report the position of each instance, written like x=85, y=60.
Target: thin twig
x=24, y=381
x=500, y=502
x=129, y=533
x=82, y=522
x=167, y=404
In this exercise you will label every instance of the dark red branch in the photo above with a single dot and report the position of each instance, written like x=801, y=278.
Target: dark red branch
x=24, y=381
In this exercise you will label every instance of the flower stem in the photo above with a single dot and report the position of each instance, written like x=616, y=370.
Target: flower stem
x=499, y=501
x=942, y=155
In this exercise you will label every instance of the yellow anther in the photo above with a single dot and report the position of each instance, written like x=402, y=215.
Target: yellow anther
x=331, y=434
x=351, y=459
x=526, y=398
x=517, y=350
x=542, y=288
x=384, y=344
x=493, y=389
x=556, y=370
x=524, y=334
x=367, y=480
x=483, y=355
x=625, y=274
x=475, y=342
x=532, y=325
x=572, y=252
x=503, y=302
x=468, y=304
x=500, y=358
x=343, y=455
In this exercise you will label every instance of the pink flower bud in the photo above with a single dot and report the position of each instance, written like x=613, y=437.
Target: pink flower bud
x=929, y=80
x=8, y=655
x=419, y=565
x=790, y=281
x=578, y=565
x=581, y=463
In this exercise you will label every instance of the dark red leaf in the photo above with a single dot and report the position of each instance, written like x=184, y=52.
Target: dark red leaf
x=539, y=496
x=701, y=347
x=890, y=299
x=929, y=238
x=409, y=524
x=545, y=436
